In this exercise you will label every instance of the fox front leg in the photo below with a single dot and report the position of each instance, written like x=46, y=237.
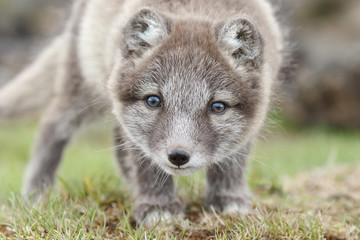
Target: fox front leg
x=153, y=189
x=155, y=195
x=227, y=191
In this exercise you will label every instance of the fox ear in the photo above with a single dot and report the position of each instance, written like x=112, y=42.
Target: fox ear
x=241, y=39
x=145, y=30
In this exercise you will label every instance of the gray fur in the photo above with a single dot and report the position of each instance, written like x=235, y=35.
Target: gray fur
x=242, y=41
x=153, y=188
x=17, y=96
x=145, y=30
x=189, y=53
x=69, y=108
x=227, y=189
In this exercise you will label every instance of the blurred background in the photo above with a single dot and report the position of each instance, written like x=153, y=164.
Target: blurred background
x=315, y=123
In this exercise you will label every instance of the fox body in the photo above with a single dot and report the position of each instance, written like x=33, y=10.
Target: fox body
x=188, y=81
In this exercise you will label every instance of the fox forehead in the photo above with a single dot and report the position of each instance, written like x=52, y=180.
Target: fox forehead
x=182, y=76
x=188, y=70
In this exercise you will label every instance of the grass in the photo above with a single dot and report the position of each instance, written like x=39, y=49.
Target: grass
x=90, y=201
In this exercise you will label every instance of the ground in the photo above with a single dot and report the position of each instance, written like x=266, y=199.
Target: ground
x=305, y=185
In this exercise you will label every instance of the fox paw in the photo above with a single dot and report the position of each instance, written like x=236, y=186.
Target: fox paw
x=153, y=214
x=229, y=205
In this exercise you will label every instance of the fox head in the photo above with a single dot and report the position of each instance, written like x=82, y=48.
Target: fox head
x=186, y=91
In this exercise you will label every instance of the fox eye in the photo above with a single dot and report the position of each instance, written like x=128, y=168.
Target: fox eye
x=217, y=108
x=153, y=102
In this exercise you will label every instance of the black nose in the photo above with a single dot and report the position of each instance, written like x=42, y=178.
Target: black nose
x=178, y=157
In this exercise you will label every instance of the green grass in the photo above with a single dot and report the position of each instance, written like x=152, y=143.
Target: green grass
x=87, y=156
x=91, y=202
x=290, y=152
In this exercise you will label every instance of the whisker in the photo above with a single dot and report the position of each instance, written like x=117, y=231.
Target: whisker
x=97, y=101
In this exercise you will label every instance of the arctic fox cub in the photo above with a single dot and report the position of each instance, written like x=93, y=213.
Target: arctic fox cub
x=189, y=82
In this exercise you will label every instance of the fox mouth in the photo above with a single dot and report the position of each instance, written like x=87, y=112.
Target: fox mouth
x=181, y=171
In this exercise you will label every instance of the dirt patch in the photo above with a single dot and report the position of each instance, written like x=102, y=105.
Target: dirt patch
x=337, y=183
x=334, y=194
x=6, y=230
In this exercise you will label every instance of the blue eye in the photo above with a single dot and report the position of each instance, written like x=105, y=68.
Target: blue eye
x=217, y=108
x=153, y=102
